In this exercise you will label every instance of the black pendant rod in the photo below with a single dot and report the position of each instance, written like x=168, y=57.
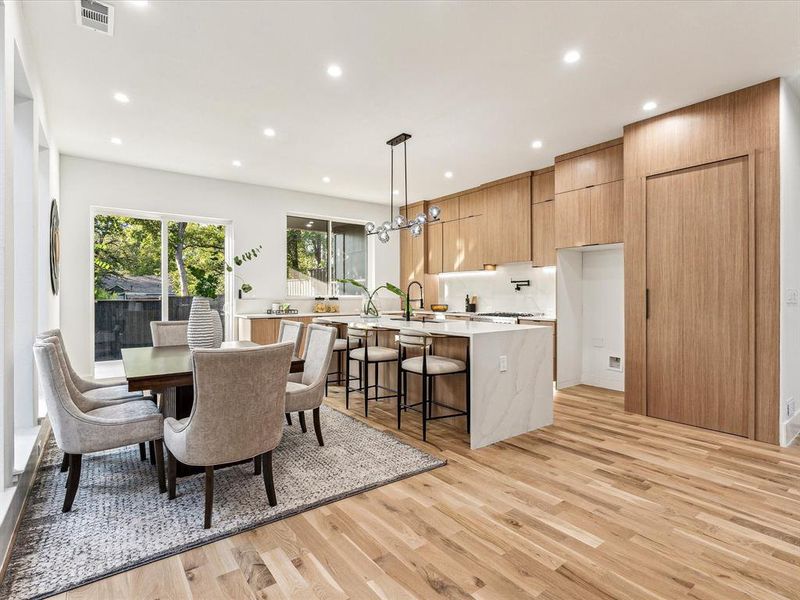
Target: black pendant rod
x=391, y=188
x=405, y=174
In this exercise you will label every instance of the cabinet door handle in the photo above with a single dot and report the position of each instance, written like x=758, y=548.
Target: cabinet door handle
x=647, y=303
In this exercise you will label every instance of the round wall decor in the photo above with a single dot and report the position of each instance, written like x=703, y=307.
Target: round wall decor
x=55, y=246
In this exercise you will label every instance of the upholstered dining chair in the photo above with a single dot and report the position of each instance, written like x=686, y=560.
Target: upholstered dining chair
x=82, y=425
x=236, y=415
x=292, y=331
x=104, y=391
x=309, y=392
x=169, y=333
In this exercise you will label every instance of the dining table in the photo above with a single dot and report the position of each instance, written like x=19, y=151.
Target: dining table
x=167, y=371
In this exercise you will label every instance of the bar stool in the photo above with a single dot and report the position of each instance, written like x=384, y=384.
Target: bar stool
x=428, y=366
x=340, y=346
x=366, y=355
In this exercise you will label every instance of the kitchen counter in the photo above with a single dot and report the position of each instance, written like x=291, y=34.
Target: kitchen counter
x=300, y=314
x=511, y=371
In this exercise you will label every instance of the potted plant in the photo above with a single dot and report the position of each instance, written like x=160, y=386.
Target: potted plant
x=370, y=310
x=239, y=260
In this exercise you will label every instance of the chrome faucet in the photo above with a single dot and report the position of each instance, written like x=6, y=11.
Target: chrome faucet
x=408, y=299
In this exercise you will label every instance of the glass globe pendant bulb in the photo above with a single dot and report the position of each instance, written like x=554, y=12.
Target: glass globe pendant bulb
x=421, y=218
x=369, y=226
x=386, y=225
x=434, y=212
x=416, y=230
x=383, y=236
x=399, y=221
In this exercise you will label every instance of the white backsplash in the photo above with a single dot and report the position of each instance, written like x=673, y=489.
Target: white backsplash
x=495, y=292
x=349, y=304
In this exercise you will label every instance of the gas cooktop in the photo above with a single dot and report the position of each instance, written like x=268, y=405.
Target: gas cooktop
x=518, y=315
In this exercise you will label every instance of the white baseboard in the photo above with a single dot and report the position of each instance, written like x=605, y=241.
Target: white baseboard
x=791, y=429
x=565, y=383
x=611, y=381
x=9, y=519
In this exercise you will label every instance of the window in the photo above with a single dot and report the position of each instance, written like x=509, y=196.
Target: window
x=320, y=251
x=148, y=267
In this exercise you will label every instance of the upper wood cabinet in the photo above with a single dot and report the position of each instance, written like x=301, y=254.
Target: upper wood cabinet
x=544, y=231
x=434, y=243
x=544, y=185
x=472, y=215
x=589, y=216
x=508, y=222
x=452, y=248
x=412, y=249
x=589, y=167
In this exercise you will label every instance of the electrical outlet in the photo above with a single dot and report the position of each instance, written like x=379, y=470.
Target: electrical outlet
x=792, y=297
x=503, y=364
x=790, y=408
x=598, y=342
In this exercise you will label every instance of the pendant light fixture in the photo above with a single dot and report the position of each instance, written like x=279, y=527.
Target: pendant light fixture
x=399, y=221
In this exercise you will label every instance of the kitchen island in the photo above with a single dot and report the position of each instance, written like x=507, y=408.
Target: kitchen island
x=510, y=370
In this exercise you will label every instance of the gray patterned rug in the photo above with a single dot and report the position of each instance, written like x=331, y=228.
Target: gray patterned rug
x=119, y=520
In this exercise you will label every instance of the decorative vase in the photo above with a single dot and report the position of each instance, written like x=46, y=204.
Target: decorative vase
x=369, y=310
x=200, y=331
x=216, y=321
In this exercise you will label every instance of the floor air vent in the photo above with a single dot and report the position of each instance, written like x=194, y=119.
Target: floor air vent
x=94, y=15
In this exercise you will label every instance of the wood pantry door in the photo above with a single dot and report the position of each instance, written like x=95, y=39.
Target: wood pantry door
x=699, y=352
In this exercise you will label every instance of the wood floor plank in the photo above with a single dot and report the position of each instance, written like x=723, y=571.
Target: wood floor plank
x=602, y=505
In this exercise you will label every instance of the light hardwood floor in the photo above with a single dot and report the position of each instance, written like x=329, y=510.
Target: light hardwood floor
x=604, y=504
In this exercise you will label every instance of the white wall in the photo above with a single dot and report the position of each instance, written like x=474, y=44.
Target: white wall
x=591, y=316
x=790, y=257
x=603, y=332
x=495, y=292
x=258, y=214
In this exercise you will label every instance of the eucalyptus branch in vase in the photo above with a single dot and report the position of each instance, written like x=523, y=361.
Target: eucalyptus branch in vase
x=370, y=309
x=239, y=260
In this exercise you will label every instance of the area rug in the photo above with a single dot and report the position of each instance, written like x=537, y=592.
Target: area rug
x=119, y=520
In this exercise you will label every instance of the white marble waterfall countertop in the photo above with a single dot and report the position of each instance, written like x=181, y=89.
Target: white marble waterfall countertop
x=457, y=328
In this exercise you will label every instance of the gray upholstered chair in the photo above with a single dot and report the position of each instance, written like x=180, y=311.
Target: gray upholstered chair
x=169, y=333
x=104, y=391
x=308, y=393
x=82, y=425
x=291, y=331
x=236, y=415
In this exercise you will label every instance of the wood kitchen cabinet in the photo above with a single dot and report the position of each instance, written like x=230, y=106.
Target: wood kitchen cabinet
x=543, y=185
x=434, y=244
x=591, y=166
x=606, y=213
x=472, y=215
x=573, y=218
x=452, y=247
x=508, y=222
x=543, y=227
x=412, y=249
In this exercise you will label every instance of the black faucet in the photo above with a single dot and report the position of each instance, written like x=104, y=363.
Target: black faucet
x=407, y=311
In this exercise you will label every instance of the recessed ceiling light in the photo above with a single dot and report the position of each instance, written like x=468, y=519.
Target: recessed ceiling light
x=572, y=56
x=536, y=144
x=121, y=98
x=649, y=105
x=335, y=71
x=448, y=174
x=116, y=140
x=269, y=132
x=326, y=179
x=237, y=163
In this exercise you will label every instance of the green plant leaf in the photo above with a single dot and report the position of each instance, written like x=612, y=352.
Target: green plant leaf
x=394, y=289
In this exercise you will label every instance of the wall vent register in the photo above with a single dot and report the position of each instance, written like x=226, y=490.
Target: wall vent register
x=94, y=15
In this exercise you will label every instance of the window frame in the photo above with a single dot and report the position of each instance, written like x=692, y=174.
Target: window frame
x=368, y=249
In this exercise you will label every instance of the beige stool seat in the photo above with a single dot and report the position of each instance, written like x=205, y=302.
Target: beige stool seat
x=375, y=354
x=344, y=344
x=436, y=365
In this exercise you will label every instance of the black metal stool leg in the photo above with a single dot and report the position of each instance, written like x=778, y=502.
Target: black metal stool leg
x=347, y=381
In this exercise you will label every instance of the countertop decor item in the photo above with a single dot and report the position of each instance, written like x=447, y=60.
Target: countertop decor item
x=401, y=221
x=200, y=332
x=439, y=307
x=370, y=310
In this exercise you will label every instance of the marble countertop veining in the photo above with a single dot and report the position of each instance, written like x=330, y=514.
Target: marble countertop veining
x=299, y=314
x=457, y=328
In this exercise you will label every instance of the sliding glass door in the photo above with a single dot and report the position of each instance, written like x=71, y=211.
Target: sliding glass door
x=149, y=268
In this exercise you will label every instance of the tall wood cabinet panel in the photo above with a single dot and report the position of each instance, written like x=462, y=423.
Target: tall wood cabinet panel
x=606, y=221
x=472, y=214
x=434, y=243
x=413, y=252
x=508, y=218
x=544, y=185
x=544, y=231
x=573, y=218
x=593, y=168
x=699, y=367
x=742, y=123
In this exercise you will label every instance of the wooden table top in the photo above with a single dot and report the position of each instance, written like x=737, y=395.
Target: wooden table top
x=170, y=366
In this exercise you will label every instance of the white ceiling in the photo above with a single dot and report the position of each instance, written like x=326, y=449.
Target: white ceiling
x=474, y=83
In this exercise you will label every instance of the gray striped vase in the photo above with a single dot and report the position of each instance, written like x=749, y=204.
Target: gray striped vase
x=216, y=321
x=200, y=332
